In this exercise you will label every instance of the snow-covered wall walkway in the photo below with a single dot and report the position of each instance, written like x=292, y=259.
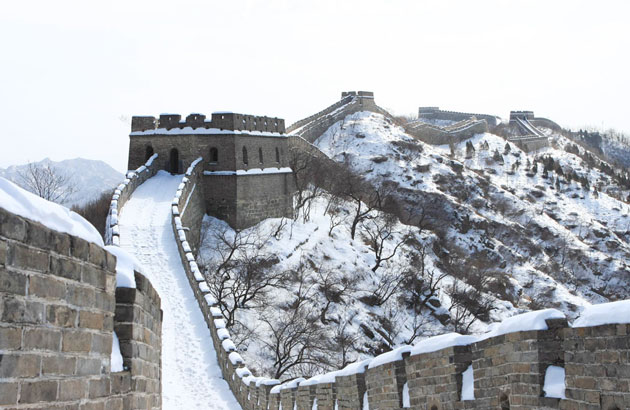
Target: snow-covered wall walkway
x=191, y=377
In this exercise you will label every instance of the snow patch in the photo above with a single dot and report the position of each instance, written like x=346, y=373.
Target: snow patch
x=468, y=384
x=604, y=314
x=23, y=203
x=116, y=358
x=554, y=382
x=126, y=264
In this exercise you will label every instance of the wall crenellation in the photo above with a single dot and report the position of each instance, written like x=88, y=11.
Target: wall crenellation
x=508, y=370
x=219, y=120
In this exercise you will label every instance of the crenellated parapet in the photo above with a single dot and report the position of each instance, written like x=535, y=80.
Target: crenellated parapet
x=219, y=120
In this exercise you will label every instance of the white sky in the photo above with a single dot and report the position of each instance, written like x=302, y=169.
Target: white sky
x=70, y=70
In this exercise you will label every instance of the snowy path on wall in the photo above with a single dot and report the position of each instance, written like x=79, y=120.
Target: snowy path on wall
x=191, y=376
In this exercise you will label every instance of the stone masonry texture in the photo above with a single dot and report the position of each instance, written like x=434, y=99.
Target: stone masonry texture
x=59, y=307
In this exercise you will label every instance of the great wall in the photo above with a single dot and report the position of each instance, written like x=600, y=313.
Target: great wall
x=60, y=307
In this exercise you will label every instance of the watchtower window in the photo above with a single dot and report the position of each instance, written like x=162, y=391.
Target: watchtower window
x=245, y=161
x=277, y=155
x=214, y=154
x=260, y=155
x=148, y=153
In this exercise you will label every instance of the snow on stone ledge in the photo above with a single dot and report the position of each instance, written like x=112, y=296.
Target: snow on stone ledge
x=527, y=321
x=288, y=385
x=235, y=358
x=391, y=356
x=252, y=171
x=433, y=344
x=604, y=314
x=126, y=263
x=23, y=203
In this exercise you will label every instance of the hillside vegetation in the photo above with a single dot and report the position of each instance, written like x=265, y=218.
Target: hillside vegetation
x=395, y=240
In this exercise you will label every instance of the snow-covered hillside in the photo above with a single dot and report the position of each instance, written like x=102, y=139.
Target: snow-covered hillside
x=90, y=177
x=490, y=231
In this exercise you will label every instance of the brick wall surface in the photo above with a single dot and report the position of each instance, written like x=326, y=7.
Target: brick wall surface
x=58, y=309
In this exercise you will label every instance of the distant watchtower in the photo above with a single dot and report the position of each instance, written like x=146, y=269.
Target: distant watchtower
x=246, y=174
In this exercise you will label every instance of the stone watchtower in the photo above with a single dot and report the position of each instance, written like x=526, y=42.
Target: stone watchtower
x=246, y=176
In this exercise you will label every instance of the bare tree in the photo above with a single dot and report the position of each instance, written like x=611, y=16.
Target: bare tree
x=241, y=273
x=46, y=182
x=379, y=232
x=294, y=340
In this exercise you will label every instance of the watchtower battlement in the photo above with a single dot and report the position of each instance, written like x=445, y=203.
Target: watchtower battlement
x=244, y=161
x=220, y=120
x=523, y=115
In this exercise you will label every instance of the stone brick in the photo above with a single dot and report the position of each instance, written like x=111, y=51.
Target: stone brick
x=94, y=276
x=21, y=311
x=60, y=315
x=120, y=382
x=12, y=226
x=10, y=338
x=76, y=341
x=91, y=320
x=34, y=392
x=98, y=387
x=19, y=365
x=8, y=393
x=97, y=255
x=47, y=287
x=72, y=389
x=42, y=339
x=83, y=296
x=59, y=365
x=13, y=282
x=102, y=343
x=110, y=261
x=88, y=366
x=23, y=257
x=79, y=248
x=3, y=252
x=99, y=405
x=66, y=268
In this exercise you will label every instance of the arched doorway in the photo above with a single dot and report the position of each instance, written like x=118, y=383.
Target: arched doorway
x=148, y=153
x=174, y=162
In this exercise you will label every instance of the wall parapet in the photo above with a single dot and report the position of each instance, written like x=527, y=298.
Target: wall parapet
x=59, y=307
x=122, y=193
x=219, y=120
x=507, y=369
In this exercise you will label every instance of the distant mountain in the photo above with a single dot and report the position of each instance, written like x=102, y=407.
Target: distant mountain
x=90, y=177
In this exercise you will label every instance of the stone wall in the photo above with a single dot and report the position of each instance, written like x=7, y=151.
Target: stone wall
x=121, y=195
x=442, y=136
x=59, y=307
x=597, y=363
x=508, y=370
x=434, y=113
x=314, y=126
x=529, y=144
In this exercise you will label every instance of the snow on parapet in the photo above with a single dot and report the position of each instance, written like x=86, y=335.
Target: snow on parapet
x=433, y=344
x=536, y=320
x=122, y=192
x=59, y=218
x=604, y=314
x=253, y=171
x=126, y=264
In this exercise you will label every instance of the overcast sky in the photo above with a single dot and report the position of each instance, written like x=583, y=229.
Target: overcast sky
x=74, y=72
